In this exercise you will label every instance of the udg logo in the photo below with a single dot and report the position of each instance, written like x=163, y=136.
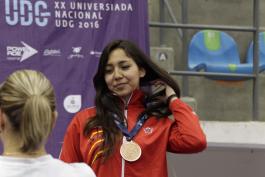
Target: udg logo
x=25, y=12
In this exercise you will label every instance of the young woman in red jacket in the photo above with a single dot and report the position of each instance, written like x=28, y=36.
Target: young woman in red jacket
x=128, y=132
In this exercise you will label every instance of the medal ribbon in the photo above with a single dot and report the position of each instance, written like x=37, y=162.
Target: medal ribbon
x=129, y=135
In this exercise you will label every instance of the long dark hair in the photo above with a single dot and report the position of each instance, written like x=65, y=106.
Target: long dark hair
x=108, y=104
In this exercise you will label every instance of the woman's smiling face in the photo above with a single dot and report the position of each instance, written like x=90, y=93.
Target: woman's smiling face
x=122, y=75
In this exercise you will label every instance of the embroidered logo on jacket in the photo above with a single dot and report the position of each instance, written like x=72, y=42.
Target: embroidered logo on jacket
x=148, y=130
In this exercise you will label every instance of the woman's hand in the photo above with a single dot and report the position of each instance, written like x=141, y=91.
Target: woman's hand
x=170, y=93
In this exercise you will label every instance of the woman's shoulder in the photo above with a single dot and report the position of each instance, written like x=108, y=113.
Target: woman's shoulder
x=80, y=119
x=85, y=114
x=73, y=169
x=82, y=169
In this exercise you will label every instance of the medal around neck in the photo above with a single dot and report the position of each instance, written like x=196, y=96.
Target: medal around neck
x=130, y=151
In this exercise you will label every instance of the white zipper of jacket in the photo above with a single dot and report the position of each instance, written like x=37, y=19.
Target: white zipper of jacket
x=124, y=138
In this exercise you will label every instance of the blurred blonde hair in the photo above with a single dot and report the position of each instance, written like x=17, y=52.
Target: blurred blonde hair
x=27, y=98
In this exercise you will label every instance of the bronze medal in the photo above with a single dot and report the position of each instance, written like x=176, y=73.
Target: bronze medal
x=130, y=151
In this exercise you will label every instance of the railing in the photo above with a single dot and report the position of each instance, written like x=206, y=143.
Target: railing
x=255, y=29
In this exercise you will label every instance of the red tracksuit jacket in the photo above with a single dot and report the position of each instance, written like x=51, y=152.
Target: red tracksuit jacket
x=156, y=137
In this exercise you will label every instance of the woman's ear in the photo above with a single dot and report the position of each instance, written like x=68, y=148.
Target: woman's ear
x=55, y=115
x=142, y=72
x=2, y=120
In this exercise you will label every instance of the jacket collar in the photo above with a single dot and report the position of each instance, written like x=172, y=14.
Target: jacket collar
x=137, y=97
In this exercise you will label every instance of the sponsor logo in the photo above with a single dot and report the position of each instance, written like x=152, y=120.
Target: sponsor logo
x=76, y=53
x=72, y=103
x=52, y=52
x=95, y=53
x=20, y=53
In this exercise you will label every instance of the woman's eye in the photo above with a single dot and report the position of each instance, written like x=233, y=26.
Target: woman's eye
x=125, y=67
x=108, y=71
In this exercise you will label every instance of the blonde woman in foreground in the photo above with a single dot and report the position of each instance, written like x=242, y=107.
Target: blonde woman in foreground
x=27, y=117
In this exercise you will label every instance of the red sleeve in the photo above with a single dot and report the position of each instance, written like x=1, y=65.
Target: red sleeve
x=186, y=134
x=70, y=151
